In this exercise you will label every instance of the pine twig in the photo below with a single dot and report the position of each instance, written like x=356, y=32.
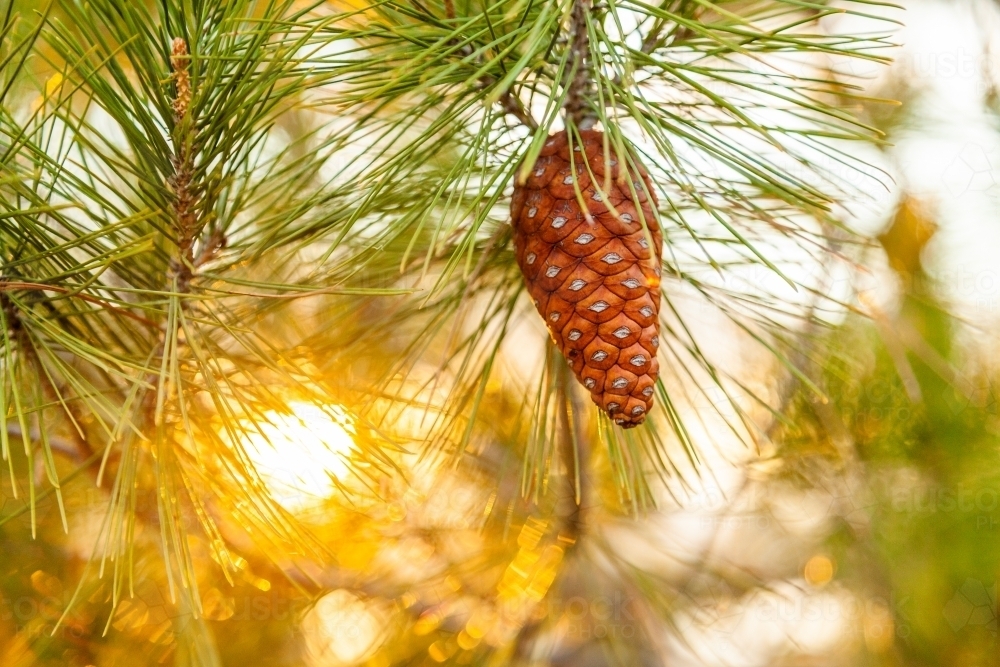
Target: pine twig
x=182, y=78
x=580, y=84
x=12, y=285
x=185, y=199
x=513, y=105
x=183, y=266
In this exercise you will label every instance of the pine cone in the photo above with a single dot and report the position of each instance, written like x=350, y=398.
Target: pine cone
x=593, y=271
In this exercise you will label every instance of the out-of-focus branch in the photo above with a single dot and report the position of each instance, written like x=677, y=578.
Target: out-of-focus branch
x=71, y=450
x=573, y=454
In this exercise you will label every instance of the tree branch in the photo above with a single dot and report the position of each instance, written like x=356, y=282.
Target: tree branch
x=580, y=84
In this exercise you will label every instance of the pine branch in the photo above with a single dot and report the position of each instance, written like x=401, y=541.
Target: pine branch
x=513, y=105
x=186, y=225
x=273, y=153
x=580, y=85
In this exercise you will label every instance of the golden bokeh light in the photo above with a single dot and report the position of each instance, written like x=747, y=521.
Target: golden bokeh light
x=878, y=627
x=300, y=453
x=343, y=629
x=819, y=570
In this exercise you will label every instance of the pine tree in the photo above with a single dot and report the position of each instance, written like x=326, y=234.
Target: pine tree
x=218, y=213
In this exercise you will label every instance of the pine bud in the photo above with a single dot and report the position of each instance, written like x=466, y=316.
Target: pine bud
x=182, y=78
x=593, y=267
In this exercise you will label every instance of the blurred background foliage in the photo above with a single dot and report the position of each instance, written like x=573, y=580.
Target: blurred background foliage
x=322, y=427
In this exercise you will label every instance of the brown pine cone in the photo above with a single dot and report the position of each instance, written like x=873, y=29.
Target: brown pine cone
x=593, y=271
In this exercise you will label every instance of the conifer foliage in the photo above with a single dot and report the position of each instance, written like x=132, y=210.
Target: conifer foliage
x=208, y=207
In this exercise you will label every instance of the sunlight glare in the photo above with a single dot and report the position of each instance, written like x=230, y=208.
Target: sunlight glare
x=298, y=454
